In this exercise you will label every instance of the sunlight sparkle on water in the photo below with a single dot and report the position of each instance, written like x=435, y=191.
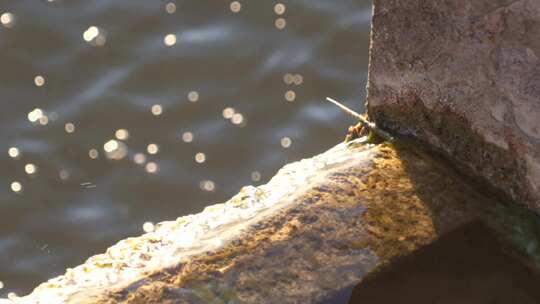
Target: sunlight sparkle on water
x=235, y=6
x=187, y=137
x=115, y=149
x=288, y=78
x=286, y=142
x=69, y=127
x=298, y=79
x=290, y=95
x=43, y=120
x=14, y=152
x=255, y=176
x=169, y=39
x=200, y=157
x=170, y=8
x=207, y=185
x=91, y=33
x=157, y=109
x=16, y=187
x=152, y=149
x=148, y=227
x=110, y=146
x=280, y=23
x=30, y=169
x=237, y=118
x=279, y=9
x=93, y=153
x=39, y=80
x=193, y=96
x=139, y=158
x=152, y=167
x=7, y=19
x=35, y=115
x=121, y=134
x=228, y=113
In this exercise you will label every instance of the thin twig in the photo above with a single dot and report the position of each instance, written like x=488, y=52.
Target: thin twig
x=367, y=124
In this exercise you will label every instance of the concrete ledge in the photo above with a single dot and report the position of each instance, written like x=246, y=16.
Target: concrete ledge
x=309, y=235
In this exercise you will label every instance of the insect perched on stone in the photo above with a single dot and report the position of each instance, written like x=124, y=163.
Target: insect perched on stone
x=356, y=131
x=364, y=127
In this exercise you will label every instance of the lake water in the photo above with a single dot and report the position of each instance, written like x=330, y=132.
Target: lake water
x=192, y=100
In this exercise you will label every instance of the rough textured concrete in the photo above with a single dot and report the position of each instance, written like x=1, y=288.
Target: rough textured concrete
x=463, y=76
x=318, y=228
x=308, y=236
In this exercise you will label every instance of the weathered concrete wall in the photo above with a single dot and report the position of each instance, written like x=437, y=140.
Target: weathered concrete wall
x=463, y=76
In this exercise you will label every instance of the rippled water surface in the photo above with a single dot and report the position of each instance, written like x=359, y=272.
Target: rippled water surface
x=119, y=113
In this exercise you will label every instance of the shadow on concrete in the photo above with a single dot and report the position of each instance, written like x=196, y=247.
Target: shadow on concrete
x=467, y=265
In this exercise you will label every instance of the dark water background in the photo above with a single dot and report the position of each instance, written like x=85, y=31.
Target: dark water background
x=75, y=206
